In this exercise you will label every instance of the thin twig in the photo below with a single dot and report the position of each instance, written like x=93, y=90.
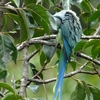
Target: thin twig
x=77, y=71
x=45, y=91
x=45, y=63
x=32, y=54
x=88, y=72
x=13, y=82
x=1, y=94
x=97, y=30
x=96, y=69
x=43, y=67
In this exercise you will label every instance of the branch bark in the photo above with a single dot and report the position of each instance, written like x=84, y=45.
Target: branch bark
x=38, y=41
x=91, y=37
x=34, y=41
x=42, y=40
x=31, y=55
x=25, y=73
x=80, y=70
x=82, y=55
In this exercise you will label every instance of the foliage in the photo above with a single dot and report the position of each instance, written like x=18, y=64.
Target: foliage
x=31, y=27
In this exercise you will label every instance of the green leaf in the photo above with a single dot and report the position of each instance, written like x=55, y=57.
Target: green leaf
x=95, y=91
x=94, y=16
x=32, y=65
x=80, y=46
x=91, y=43
x=16, y=2
x=89, y=95
x=8, y=87
x=49, y=50
x=34, y=88
x=31, y=24
x=77, y=3
x=73, y=64
x=38, y=1
x=27, y=2
x=4, y=22
x=58, y=53
x=86, y=6
x=12, y=97
x=79, y=93
x=53, y=1
x=3, y=74
x=85, y=16
x=35, y=99
x=98, y=55
x=52, y=21
x=29, y=20
x=88, y=31
x=98, y=6
x=35, y=71
x=24, y=30
x=95, y=50
x=39, y=32
x=7, y=49
x=48, y=2
x=14, y=17
x=42, y=58
x=40, y=16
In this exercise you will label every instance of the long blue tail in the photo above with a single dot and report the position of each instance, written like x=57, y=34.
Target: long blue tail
x=64, y=58
x=61, y=70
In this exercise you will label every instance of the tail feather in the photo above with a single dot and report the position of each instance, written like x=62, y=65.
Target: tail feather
x=62, y=62
x=64, y=58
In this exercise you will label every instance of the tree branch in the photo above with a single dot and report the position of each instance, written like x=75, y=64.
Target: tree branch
x=96, y=69
x=46, y=37
x=65, y=76
x=32, y=41
x=32, y=54
x=91, y=37
x=25, y=73
x=35, y=41
x=42, y=40
x=88, y=58
x=97, y=30
x=38, y=41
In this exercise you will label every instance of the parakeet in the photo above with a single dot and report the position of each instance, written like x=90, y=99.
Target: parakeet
x=71, y=31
